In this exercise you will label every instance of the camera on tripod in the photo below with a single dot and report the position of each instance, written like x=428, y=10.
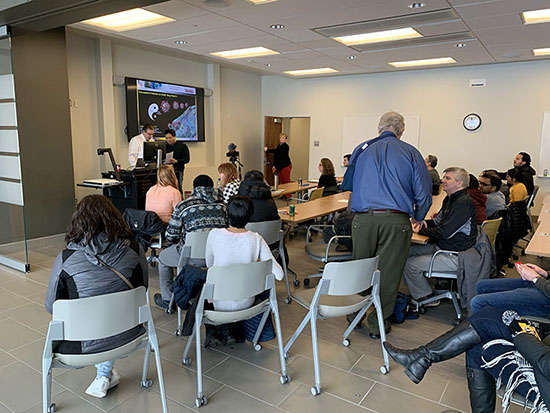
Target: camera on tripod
x=233, y=155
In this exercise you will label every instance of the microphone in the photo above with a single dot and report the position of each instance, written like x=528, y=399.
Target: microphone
x=509, y=316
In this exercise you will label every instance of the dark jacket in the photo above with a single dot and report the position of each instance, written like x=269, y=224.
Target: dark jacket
x=259, y=193
x=181, y=154
x=78, y=273
x=326, y=181
x=454, y=228
x=528, y=173
x=280, y=159
x=144, y=225
x=480, y=199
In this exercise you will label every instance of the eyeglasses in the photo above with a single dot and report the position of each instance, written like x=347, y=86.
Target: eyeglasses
x=484, y=184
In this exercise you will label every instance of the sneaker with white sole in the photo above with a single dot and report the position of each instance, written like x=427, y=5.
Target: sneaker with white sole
x=99, y=387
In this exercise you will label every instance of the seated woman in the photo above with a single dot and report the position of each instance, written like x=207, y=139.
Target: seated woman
x=529, y=296
x=100, y=258
x=327, y=179
x=518, y=190
x=496, y=346
x=236, y=245
x=254, y=187
x=479, y=198
x=165, y=195
x=228, y=181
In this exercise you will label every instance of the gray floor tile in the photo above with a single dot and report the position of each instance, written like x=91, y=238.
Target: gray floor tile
x=252, y=380
x=267, y=357
x=337, y=382
x=31, y=354
x=229, y=400
x=431, y=387
x=39, y=298
x=4, y=409
x=78, y=380
x=21, y=387
x=32, y=315
x=148, y=401
x=24, y=287
x=302, y=401
x=5, y=359
x=15, y=335
x=39, y=275
x=67, y=402
x=7, y=276
x=8, y=300
x=384, y=399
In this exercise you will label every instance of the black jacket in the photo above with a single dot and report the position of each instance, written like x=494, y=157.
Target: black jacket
x=144, y=225
x=528, y=173
x=260, y=195
x=181, y=154
x=281, y=159
x=454, y=228
x=537, y=353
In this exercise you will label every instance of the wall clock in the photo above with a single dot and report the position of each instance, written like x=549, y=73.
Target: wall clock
x=472, y=122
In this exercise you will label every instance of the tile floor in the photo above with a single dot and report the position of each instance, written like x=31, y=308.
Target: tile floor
x=236, y=379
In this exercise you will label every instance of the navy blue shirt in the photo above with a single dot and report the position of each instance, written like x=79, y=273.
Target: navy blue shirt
x=390, y=174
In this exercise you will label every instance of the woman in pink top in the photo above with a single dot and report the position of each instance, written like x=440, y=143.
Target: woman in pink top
x=165, y=195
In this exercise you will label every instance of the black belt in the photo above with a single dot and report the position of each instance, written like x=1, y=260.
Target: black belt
x=383, y=211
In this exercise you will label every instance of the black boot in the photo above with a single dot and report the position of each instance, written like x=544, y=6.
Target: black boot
x=445, y=347
x=482, y=390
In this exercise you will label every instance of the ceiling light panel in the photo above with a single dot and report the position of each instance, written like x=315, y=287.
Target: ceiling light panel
x=256, y=2
x=379, y=36
x=242, y=53
x=542, y=52
x=536, y=16
x=423, y=62
x=128, y=20
x=317, y=71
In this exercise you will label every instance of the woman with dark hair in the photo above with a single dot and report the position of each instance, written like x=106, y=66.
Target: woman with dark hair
x=516, y=182
x=479, y=198
x=327, y=178
x=254, y=187
x=100, y=258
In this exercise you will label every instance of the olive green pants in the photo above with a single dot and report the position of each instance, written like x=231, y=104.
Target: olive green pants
x=388, y=235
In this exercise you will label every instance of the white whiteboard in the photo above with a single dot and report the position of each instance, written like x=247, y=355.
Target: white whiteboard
x=544, y=154
x=358, y=129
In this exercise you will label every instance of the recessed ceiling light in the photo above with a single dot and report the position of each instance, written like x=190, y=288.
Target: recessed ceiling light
x=180, y=42
x=318, y=71
x=416, y=5
x=542, y=52
x=249, y=52
x=352, y=57
x=260, y=1
x=424, y=62
x=378, y=37
x=536, y=16
x=460, y=45
x=128, y=20
x=277, y=26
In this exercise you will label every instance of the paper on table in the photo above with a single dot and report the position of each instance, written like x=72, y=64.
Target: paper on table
x=169, y=157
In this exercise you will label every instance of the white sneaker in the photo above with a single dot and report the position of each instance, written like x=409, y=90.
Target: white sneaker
x=98, y=388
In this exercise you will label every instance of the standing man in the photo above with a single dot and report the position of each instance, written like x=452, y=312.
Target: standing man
x=281, y=161
x=390, y=184
x=431, y=163
x=180, y=154
x=522, y=164
x=135, y=148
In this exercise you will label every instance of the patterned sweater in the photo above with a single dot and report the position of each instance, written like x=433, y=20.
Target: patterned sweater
x=203, y=209
x=232, y=188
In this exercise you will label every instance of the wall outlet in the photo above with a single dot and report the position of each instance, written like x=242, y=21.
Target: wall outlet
x=316, y=143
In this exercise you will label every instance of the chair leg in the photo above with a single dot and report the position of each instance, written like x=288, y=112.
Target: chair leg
x=454, y=299
x=284, y=375
x=356, y=320
x=260, y=327
x=297, y=333
x=180, y=327
x=315, y=345
x=200, y=396
x=154, y=343
x=144, y=379
x=46, y=385
x=185, y=359
x=378, y=307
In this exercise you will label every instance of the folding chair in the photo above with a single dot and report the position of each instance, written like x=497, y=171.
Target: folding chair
x=194, y=253
x=92, y=318
x=491, y=226
x=236, y=282
x=156, y=244
x=272, y=233
x=337, y=295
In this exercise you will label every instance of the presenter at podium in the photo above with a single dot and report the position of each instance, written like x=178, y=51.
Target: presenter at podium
x=135, y=148
x=180, y=153
x=281, y=161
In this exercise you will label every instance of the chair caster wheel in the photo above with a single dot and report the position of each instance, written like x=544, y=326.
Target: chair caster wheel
x=456, y=321
x=51, y=409
x=200, y=401
x=178, y=332
x=384, y=370
x=315, y=391
x=146, y=383
x=169, y=311
x=288, y=300
x=186, y=361
x=306, y=282
x=346, y=342
x=257, y=347
x=285, y=355
x=421, y=310
x=296, y=283
x=285, y=378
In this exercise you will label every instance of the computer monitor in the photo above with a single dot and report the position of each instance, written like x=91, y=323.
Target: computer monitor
x=150, y=151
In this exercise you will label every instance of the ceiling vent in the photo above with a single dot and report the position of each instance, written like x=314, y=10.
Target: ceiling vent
x=420, y=41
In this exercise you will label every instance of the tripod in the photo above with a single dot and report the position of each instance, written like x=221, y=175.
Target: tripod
x=235, y=161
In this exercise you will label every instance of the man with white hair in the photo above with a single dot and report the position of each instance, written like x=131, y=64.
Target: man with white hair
x=390, y=184
x=454, y=229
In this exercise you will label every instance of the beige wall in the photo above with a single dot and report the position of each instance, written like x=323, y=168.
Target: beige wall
x=232, y=114
x=511, y=107
x=298, y=139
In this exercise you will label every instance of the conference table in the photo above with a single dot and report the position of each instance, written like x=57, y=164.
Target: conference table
x=539, y=244
x=292, y=188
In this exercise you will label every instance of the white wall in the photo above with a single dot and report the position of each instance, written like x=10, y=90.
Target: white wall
x=511, y=107
x=232, y=114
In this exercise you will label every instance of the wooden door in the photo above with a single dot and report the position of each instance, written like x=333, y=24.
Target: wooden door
x=272, y=130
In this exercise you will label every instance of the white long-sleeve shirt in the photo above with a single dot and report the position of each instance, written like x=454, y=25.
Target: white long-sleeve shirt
x=226, y=248
x=135, y=149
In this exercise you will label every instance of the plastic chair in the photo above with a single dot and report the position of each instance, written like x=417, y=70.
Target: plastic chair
x=316, y=194
x=337, y=295
x=92, y=318
x=491, y=226
x=236, y=282
x=194, y=253
x=272, y=233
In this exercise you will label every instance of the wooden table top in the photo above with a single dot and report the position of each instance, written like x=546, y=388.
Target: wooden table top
x=317, y=208
x=540, y=242
x=293, y=187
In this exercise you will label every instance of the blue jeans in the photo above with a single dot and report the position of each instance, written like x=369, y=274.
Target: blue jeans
x=511, y=294
x=104, y=369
